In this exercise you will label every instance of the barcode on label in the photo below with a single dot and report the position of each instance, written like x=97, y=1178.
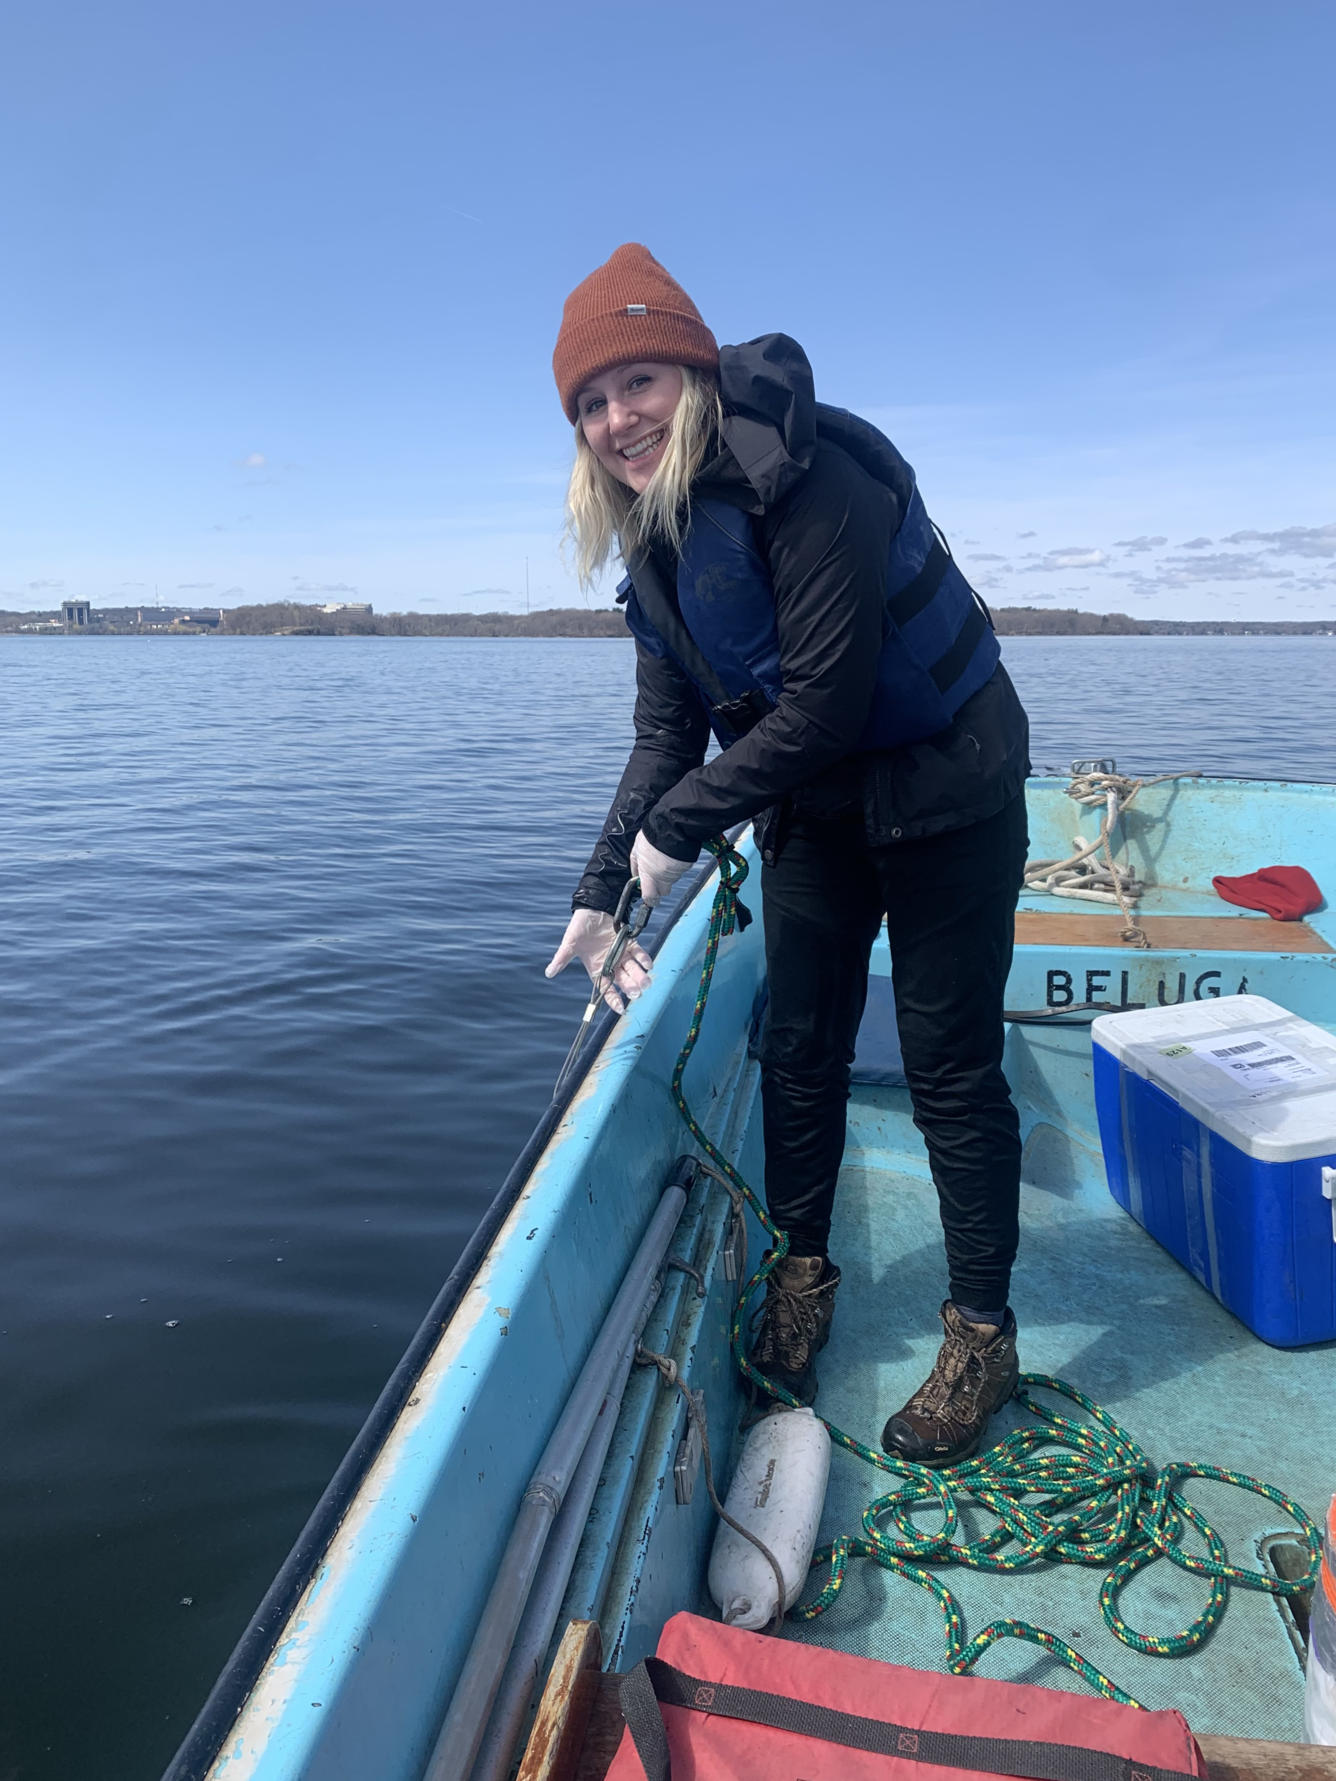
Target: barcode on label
x=1256, y=1063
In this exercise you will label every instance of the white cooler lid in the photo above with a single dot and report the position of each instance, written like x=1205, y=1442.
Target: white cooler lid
x=1255, y=1074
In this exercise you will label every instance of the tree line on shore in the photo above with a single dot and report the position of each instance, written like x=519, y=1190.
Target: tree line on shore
x=577, y=621
x=1056, y=621
x=309, y=621
x=286, y=618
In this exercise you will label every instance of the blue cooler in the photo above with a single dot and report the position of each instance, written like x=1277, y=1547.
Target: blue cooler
x=1218, y=1122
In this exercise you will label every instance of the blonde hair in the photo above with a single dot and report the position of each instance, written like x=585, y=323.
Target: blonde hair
x=604, y=518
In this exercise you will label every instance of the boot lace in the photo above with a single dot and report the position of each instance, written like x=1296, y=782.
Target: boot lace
x=958, y=1369
x=785, y=1325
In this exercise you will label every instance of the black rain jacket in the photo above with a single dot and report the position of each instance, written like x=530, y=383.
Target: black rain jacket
x=828, y=492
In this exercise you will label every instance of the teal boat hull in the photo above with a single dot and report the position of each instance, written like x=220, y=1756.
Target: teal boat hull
x=356, y=1678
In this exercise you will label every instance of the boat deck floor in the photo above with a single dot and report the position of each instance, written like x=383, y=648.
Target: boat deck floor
x=1101, y=1305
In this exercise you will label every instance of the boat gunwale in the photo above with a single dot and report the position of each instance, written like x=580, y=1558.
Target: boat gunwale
x=239, y=1676
x=1062, y=779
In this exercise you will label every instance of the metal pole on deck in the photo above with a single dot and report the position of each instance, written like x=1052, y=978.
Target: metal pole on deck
x=496, y=1754
x=461, y=1735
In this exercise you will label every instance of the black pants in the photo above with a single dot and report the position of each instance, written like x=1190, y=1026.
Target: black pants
x=949, y=903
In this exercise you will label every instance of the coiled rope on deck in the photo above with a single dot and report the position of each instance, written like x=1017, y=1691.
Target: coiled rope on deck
x=1079, y=875
x=1066, y=1491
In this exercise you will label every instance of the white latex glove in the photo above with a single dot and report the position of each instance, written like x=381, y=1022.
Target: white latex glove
x=588, y=936
x=657, y=872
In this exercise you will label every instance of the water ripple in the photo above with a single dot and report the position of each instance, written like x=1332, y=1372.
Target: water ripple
x=273, y=916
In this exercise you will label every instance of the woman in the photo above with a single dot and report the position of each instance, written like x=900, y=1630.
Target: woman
x=786, y=589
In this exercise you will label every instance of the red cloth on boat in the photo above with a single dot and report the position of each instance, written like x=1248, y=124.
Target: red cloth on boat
x=926, y=1719
x=1285, y=893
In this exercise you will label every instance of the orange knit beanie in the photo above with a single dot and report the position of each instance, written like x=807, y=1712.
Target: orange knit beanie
x=630, y=308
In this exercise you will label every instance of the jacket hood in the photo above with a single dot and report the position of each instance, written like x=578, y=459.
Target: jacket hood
x=772, y=422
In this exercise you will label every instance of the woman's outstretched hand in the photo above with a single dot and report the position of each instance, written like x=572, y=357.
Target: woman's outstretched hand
x=588, y=936
x=657, y=872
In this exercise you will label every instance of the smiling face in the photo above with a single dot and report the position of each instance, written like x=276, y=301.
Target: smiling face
x=624, y=414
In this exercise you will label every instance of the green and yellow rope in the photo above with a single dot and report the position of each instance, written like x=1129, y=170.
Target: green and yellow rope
x=1065, y=1490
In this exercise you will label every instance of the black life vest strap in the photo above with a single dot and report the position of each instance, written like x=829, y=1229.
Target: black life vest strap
x=916, y=594
x=653, y=1681
x=948, y=668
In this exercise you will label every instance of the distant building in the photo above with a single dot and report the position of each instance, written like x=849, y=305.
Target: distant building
x=209, y=619
x=76, y=614
x=348, y=606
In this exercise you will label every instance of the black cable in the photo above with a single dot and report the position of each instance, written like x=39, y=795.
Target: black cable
x=1054, y=1016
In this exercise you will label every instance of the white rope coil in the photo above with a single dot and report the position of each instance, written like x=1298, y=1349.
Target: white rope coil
x=1081, y=876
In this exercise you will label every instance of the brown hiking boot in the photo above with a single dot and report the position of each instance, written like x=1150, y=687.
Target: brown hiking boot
x=793, y=1325
x=975, y=1371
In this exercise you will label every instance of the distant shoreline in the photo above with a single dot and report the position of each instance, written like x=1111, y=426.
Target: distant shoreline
x=286, y=619
x=1039, y=621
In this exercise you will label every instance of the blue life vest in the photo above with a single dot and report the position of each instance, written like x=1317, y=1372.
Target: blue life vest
x=938, y=646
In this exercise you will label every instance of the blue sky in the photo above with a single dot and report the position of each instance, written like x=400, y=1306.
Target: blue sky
x=282, y=281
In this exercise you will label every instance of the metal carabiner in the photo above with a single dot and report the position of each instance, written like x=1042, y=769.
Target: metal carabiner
x=620, y=919
x=625, y=928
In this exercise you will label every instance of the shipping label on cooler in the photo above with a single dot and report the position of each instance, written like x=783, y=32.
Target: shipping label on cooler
x=1254, y=1063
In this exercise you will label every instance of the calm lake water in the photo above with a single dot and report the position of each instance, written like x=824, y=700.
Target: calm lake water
x=273, y=917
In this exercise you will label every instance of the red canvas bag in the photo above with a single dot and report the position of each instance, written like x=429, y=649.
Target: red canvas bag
x=717, y=1704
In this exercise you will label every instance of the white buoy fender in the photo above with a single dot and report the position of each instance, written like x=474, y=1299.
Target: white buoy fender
x=777, y=1494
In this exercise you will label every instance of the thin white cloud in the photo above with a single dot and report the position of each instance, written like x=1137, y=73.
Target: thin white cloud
x=1197, y=567
x=193, y=587
x=1303, y=541
x=323, y=587
x=1183, y=572
x=37, y=586
x=1223, y=565
x=253, y=460
x=1075, y=556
